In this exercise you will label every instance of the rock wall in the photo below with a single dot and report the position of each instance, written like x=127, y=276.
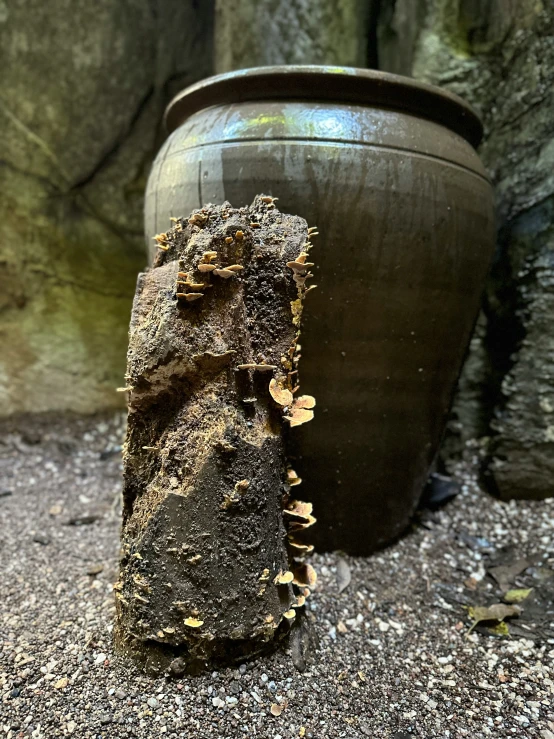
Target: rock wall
x=265, y=32
x=499, y=55
x=82, y=91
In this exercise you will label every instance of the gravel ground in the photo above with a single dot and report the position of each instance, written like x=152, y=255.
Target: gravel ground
x=395, y=658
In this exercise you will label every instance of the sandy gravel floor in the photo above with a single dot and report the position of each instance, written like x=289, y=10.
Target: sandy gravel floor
x=394, y=658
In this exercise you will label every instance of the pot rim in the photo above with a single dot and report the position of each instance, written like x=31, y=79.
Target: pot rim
x=328, y=83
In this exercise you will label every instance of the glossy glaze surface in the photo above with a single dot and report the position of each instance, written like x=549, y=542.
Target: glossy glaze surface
x=405, y=214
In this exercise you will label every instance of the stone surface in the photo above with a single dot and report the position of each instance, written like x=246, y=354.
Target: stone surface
x=499, y=55
x=81, y=95
x=252, y=34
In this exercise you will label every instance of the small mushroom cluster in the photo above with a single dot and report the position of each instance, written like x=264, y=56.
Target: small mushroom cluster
x=300, y=267
x=161, y=241
x=200, y=218
x=207, y=265
x=189, y=290
x=300, y=410
x=297, y=516
x=238, y=491
x=296, y=410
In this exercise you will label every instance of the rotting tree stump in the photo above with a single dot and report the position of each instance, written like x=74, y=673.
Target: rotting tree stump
x=212, y=556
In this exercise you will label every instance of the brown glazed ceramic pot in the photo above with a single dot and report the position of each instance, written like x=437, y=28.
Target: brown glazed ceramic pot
x=387, y=169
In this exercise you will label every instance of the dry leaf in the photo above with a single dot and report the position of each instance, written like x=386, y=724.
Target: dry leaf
x=344, y=575
x=506, y=574
x=496, y=612
x=500, y=629
x=517, y=595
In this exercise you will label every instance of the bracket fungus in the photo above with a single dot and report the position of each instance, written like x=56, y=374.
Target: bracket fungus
x=284, y=578
x=212, y=564
x=281, y=395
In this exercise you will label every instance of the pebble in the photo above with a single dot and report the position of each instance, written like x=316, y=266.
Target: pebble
x=39, y=538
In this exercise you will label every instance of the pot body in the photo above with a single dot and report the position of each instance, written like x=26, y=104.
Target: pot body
x=404, y=211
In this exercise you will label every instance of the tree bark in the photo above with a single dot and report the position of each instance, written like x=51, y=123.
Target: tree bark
x=210, y=526
x=499, y=56
x=268, y=32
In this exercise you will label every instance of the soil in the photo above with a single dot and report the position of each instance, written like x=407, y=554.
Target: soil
x=394, y=656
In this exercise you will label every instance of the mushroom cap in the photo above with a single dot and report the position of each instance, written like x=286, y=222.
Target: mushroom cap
x=190, y=297
x=235, y=267
x=300, y=601
x=283, y=578
x=290, y=614
x=305, y=576
x=300, y=266
x=280, y=395
x=194, y=623
x=298, y=416
x=292, y=478
x=304, y=523
x=257, y=367
x=206, y=267
x=225, y=273
x=304, y=401
x=300, y=548
x=195, y=217
x=299, y=509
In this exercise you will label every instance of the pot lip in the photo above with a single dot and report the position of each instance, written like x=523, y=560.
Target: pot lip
x=328, y=83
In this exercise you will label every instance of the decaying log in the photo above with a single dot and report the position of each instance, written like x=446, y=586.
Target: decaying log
x=211, y=564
